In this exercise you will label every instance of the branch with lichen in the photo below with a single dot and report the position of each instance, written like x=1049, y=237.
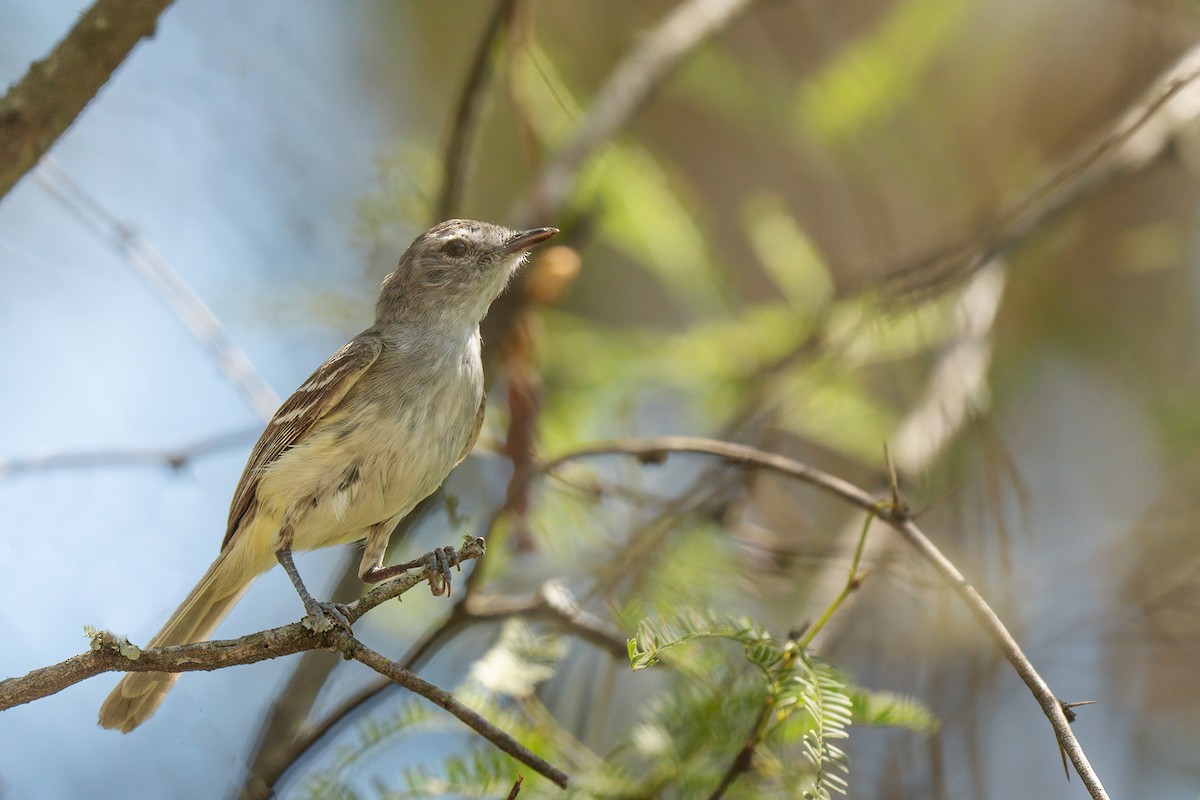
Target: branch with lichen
x=111, y=653
x=40, y=107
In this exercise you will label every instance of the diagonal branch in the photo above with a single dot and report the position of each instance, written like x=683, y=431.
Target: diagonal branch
x=398, y=674
x=162, y=279
x=629, y=86
x=656, y=449
x=42, y=105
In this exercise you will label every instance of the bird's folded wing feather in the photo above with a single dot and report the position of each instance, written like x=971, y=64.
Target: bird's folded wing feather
x=315, y=398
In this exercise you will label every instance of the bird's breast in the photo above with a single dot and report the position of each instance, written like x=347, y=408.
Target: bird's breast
x=389, y=445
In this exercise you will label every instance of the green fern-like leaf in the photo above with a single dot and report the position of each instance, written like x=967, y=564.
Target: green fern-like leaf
x=654, y=638
x=825, y=697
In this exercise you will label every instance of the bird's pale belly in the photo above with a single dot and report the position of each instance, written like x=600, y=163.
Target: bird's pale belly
x=363, y=468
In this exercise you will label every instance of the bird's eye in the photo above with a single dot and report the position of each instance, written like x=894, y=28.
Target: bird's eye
x=455, y=248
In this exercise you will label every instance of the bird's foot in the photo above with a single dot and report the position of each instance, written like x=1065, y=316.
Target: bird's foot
x=322, y=616
x=439, y=563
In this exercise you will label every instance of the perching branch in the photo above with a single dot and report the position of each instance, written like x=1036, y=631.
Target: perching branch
x=109, y=653
x=112, y=654
x=656, y=450
x=37, y=109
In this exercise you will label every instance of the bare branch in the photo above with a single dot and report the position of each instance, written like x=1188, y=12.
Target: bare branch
x=398, y=674
x=552, y=603
x=164, y=281
x=656, y=449
x=112, y=654
x=173, y=457
x=1165, y=115
x=42, y=105
x=629, y=85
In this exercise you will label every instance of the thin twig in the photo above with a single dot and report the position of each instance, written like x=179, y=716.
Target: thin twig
x=853, y=580
x=1122, y=147
x=397, y=674
x=552, y=603
x=467, y=112
x=743, y=762
x=516, y=788
x=164, y=281
x=655, y=449
x=173, y=457
x=40, y=107
x=627, y=88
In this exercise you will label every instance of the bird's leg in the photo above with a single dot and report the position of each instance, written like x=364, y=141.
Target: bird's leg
x=323, y=615
x=371, y=569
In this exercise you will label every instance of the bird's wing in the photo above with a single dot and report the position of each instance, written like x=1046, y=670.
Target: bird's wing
x=315, y=398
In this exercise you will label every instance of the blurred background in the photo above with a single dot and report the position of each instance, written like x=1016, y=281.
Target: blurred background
x=966, y=228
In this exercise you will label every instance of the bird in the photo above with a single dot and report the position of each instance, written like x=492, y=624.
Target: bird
x=372, y=432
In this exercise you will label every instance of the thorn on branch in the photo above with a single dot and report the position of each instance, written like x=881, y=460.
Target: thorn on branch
x=1068, y=708
x=899, y=509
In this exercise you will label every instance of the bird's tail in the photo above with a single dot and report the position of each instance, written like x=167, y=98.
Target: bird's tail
x=139, y=694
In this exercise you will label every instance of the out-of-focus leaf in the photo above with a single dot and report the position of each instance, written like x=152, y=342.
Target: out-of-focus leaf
x=642, y=215
x=736, y=89
x=787, y=254
x=833, y=407
x=891, y=709
x=867, y=81
x=860, y=331
x=552, y=109
x=518, y=661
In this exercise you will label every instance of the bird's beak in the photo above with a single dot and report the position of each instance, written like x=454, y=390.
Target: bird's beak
x=527, y=239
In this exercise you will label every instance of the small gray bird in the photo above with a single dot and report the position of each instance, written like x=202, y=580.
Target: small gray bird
x=375, y=430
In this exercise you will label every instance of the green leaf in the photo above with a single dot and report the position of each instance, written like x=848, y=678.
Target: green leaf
x=787, y=254
x=880, y=73
x=894, y=710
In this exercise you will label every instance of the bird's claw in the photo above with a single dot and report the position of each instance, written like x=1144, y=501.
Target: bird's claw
x=440, y=561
